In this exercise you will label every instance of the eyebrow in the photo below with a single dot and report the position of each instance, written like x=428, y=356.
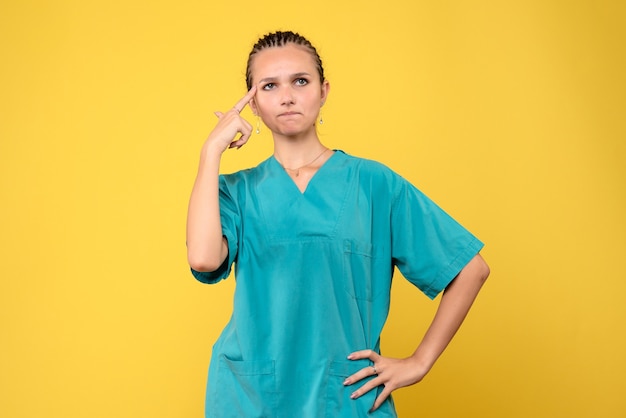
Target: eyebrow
x=272, y=79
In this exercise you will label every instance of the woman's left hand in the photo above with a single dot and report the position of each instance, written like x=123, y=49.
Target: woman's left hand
x=390, y=372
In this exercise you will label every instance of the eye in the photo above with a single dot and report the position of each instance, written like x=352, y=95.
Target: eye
x=301, y=82
x=269, y=86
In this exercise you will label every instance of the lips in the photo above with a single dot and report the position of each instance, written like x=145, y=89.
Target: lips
x=289, y=114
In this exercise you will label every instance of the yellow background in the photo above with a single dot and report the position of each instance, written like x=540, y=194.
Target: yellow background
x=510, y=115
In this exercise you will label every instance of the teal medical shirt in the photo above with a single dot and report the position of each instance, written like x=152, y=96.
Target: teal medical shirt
x=313, y=274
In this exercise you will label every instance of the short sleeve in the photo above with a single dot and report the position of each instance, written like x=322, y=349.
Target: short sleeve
x=231, y=222
x=428, y=246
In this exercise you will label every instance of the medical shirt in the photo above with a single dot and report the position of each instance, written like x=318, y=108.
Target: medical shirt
x=313, y=273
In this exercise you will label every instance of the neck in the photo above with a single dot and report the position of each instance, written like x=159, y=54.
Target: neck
x=293, y=152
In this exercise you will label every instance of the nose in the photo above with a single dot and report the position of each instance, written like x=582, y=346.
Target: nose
x=287, y=97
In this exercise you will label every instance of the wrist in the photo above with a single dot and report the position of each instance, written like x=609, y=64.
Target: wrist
x=212, y=152
x=420, y=363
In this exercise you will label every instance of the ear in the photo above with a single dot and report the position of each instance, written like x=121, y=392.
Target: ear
x=252, y=105
x=325, y=90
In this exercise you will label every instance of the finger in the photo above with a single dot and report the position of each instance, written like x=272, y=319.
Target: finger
x=218, y=114
x=246, y=132
x=361, y=374
x=363, y=354
x=381, y=398
x=369, y=385
x=240, y=142
x=245, y=99
x=243, y=139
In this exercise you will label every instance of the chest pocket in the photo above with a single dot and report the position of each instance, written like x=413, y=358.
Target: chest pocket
x=367, y=271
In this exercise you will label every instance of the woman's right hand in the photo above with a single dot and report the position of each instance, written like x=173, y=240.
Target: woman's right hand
x=230, y=125
x=206, y=247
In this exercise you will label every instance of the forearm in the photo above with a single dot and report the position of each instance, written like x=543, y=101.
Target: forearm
x=391, y=373
x=206, y=247
x=453, y=308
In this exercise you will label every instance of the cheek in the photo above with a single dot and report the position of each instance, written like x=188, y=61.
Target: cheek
x=264, y=108
x=260, y=105
x=315, y=98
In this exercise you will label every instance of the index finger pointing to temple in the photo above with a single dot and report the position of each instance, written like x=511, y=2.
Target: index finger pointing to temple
x=245, y=100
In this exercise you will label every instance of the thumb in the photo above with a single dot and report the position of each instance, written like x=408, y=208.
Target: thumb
x=218, y=114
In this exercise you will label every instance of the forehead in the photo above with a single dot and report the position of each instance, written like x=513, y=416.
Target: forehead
x=282, y=60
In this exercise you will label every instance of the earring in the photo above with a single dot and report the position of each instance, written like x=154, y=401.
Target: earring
x=258, y=125
x=321, y=119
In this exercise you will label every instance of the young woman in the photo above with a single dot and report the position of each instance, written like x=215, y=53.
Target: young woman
x=315, y=235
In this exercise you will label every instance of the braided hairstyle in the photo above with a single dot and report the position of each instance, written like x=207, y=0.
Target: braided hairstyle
x=278, y=39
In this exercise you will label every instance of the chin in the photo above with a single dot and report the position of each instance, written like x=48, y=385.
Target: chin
x=293, y=130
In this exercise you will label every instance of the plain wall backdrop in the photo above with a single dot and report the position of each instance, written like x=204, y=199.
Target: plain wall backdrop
x=510, y=115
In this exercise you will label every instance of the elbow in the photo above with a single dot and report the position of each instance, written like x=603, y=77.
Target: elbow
x=204, y=264
x=205, y=258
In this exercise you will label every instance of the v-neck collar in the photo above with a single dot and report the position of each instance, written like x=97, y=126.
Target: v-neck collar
x=288, y=214
x=283, y=173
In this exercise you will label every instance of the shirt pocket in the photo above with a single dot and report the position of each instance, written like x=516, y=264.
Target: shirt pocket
x=338, y=402
x=367, y=273
x=244, y=389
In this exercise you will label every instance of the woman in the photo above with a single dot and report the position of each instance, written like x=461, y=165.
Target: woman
x=315, y=235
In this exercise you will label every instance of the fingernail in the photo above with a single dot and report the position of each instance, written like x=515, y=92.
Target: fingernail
x=350, y=356
x=353, y=396
x=346, y=382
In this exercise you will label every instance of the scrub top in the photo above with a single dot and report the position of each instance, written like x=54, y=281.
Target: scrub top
x=313, y=273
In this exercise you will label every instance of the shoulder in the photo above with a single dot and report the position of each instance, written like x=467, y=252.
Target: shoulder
x=365, y=165
x=243, y=177
x=372, y=171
